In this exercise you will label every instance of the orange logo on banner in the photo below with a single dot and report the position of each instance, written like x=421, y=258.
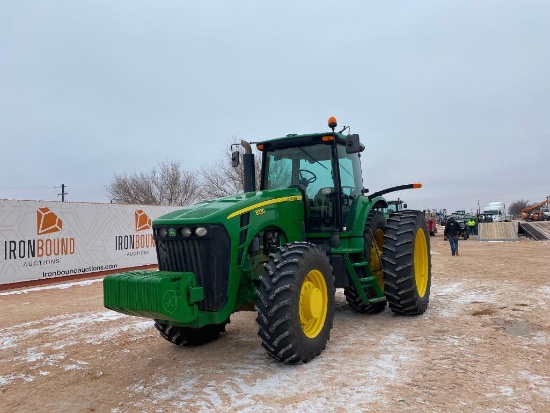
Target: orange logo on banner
x=47, y=222
x=143, y=222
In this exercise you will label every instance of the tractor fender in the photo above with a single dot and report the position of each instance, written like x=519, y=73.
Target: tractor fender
x=360, y=211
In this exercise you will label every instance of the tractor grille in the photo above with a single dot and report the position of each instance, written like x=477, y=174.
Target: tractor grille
x=207, y=257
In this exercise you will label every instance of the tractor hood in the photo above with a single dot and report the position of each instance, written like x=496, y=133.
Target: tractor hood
x=222, y=209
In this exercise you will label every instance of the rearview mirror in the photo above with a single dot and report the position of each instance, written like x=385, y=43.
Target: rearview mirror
x=235, y=159
x=352, y=144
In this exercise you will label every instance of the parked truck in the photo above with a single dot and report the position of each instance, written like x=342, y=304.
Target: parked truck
x=494, y=212
x=282, y=250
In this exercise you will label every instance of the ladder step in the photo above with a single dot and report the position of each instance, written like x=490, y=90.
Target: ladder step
x=367, y=279
x=359, y=264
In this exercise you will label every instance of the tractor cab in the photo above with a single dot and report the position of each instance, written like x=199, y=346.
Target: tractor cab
x=325, y=167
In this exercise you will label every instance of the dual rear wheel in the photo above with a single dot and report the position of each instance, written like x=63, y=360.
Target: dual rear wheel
x=398, y=251
x=407, y=263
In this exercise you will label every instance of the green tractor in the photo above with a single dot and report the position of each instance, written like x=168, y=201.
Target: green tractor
x=282, y=250
x=394, y=206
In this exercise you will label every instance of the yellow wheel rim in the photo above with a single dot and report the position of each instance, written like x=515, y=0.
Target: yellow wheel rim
x=313, y=303
x=376, y=257
x=421, y=262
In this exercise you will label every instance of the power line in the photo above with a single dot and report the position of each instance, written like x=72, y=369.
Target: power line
x=25, y=187
x=63, y=193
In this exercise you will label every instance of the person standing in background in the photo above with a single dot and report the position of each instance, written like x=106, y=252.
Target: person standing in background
x=452, y=231
x=472, y=226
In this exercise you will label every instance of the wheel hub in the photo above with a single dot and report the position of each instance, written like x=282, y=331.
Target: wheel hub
x=312, y=301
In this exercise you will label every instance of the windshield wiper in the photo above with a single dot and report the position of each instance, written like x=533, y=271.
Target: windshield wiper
x=302, y=149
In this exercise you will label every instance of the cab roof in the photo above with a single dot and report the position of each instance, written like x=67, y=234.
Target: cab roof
x=294, y=140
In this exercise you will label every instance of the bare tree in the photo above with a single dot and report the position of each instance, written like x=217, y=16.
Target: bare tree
x=516, y=207
x=166, y=184
x=219, y=178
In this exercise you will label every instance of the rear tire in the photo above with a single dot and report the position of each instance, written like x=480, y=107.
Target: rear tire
x=374, y=239
x=295, y=303
x=188, y=336
x=407, y=263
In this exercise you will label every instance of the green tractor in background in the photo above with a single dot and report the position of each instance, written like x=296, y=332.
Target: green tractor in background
x=282, y=250
x=394, y=206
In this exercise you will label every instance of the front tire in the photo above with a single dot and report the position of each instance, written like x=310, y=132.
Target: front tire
x=407, y=263
x=296, y=303
x=187, y=336
x=374, y=239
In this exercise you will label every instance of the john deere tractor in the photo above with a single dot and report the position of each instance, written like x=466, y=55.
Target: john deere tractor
x=282, y=250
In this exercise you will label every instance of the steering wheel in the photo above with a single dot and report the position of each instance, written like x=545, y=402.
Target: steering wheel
x=304, y=179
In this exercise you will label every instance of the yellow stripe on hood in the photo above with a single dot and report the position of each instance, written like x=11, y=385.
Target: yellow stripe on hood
x=264, y=203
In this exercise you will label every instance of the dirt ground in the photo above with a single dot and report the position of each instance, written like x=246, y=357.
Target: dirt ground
x=482, y=346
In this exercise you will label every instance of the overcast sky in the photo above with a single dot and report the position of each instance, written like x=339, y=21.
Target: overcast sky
x=452, y=94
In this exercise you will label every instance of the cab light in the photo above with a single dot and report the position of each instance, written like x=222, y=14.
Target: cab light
x=327, y=138
x=332, y=122
x=201, y=231
x=260, y=147
x=417, y=185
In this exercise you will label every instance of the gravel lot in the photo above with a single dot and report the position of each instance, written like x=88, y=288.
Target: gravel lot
x=483, y=345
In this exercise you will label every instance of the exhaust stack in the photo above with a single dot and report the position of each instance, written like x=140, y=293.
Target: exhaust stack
x=249, y=171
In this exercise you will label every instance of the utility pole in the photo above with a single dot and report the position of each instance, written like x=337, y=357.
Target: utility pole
x=63, y=193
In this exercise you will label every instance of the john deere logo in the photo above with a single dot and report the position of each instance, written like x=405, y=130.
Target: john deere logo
x=142, y=221
x=47, y=222
x=170, y=301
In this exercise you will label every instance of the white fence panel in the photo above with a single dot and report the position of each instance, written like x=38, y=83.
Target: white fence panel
x=52, y=239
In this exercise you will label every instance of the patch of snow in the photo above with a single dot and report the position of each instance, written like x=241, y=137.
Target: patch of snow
x=69, y=367
x=276, y=384
x=10, y=378
x=506, y=390
x=57, y=328
x=538, y=384
x=52, y=287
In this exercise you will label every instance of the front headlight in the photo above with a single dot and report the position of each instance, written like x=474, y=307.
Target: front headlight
x=201, y=231
x=185, y=231
x=163, y=232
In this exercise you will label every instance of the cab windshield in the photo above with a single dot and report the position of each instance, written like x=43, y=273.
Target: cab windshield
x=309, y=168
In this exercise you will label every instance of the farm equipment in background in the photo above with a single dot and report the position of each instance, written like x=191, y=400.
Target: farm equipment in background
x=536, y=212
x=282, y=250
x=397, y=205
x=431, y=221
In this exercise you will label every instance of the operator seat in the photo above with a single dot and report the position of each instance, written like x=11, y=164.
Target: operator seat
x=322, y=205
x=307, y=201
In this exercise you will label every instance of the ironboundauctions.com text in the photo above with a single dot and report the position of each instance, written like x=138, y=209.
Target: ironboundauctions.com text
x=57, y=273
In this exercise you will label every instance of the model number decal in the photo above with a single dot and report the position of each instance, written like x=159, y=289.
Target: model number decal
x=259, y=211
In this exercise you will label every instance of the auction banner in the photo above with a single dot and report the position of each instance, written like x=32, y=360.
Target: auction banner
x=54, y=239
